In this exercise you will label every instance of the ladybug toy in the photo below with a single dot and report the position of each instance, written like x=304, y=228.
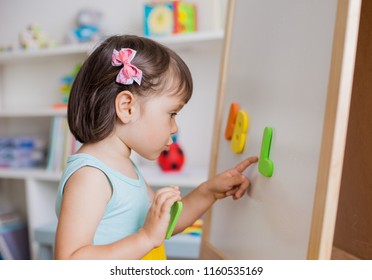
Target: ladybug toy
x=173, y=159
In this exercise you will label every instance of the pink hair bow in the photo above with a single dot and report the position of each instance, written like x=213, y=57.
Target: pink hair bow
x=129, y=72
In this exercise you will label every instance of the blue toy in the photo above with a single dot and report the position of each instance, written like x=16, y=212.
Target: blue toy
x=88, y=28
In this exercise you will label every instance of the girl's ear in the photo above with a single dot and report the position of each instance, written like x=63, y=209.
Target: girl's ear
x=125, y=106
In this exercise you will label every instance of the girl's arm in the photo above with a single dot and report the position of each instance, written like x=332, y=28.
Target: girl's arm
x=228, y=183
x=85, y=197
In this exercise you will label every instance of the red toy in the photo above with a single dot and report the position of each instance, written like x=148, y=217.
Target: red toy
x=173, y=159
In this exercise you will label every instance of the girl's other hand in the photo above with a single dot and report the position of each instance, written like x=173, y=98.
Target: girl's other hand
x=158, y=216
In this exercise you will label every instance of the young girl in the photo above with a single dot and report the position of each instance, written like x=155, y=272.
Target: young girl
x=126, y=97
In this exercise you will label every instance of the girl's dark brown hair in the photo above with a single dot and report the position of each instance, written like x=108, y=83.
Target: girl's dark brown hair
x=91, y=107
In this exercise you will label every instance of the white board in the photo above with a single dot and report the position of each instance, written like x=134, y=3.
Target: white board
x=278, y=67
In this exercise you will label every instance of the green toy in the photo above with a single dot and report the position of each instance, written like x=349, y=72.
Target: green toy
x=175, y=213
x=265, y=165
x=66, y=83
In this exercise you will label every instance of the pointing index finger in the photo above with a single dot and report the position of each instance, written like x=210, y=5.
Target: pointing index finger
x=245, y=163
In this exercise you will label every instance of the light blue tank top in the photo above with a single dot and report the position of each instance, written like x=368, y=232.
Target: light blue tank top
x=126, y=211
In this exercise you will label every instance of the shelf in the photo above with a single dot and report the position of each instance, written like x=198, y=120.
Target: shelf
x=191, y=40
x=33, y=112
x=29, y=173
x=178, y=41
x=183, y=246
x=82, y=48
x=180, y=246
x=189, y=178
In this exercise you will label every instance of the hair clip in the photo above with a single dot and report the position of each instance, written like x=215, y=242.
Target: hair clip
x=129, y=72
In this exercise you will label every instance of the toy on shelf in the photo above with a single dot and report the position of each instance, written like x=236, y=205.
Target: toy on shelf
x=185, y=17
x=67, y=81
x=172, y=159
x=195, y=229
x=65, y=88
x=33, y=37
x=169, y=17
x=159, y=19
x=88, y=27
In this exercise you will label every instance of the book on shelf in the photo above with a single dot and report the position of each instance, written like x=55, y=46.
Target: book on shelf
x=8, y=217
x=61, y=145
x=22, y=151
x=14, y=242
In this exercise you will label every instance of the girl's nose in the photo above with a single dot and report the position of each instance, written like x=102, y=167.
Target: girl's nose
x=174, y=129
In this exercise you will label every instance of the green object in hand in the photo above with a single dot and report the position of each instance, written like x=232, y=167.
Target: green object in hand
x=175, y=213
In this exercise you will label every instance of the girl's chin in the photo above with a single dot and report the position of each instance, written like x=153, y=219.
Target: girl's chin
x=154, y=156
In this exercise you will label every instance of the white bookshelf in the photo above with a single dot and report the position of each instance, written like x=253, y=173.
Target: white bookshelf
x=189, y=177
x=29, y=86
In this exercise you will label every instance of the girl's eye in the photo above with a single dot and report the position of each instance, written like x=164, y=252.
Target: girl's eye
x=173, y=115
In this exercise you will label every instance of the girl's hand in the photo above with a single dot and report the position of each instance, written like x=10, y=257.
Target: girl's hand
x=231, y=182
x=158, y=217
